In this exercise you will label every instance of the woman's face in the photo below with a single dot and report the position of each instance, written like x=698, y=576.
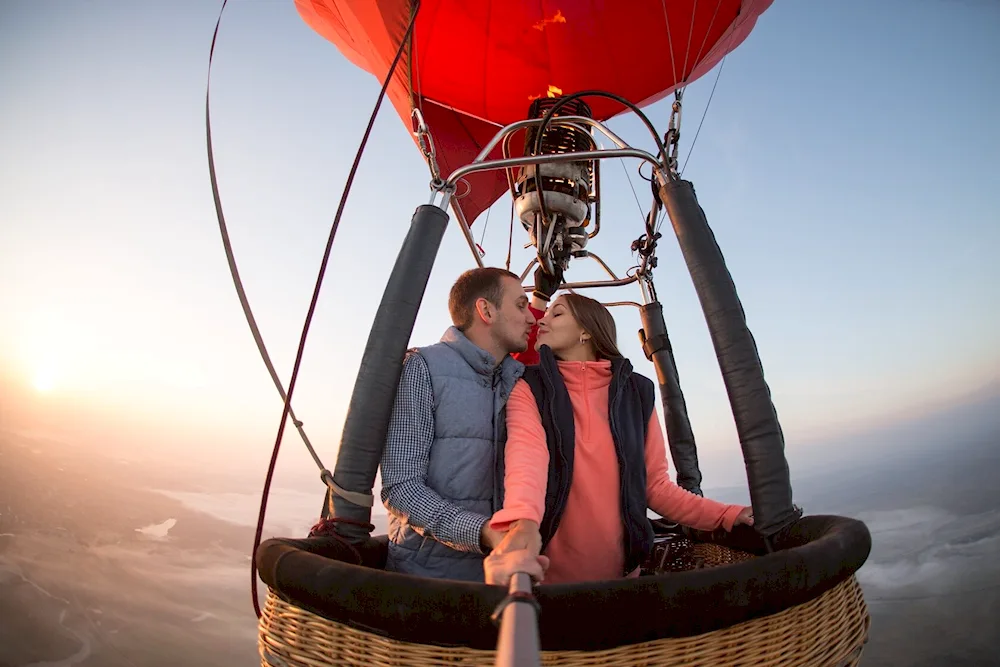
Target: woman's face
x=559, y=329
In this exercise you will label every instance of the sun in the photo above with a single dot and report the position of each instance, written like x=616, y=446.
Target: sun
x=44, y=381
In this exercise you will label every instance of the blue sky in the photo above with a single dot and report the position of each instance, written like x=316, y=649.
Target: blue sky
x=848, y=165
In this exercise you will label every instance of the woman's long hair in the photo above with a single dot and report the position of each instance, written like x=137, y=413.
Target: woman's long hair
x=597, y=321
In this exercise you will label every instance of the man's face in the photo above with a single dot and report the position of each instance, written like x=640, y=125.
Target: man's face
x=511, y=326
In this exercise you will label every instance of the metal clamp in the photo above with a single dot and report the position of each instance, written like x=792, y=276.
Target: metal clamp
x=673, y=134
x=445, y=189
x=426, y=143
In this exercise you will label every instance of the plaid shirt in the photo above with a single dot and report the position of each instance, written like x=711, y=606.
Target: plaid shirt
x=404, y=466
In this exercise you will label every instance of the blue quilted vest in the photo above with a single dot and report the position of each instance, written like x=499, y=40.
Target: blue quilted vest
x=470, y=396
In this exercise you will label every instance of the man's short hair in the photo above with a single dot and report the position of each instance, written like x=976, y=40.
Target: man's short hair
x=475, y=284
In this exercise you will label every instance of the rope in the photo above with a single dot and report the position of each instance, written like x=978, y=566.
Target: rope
x=486, y=224
x=287, y=411
x=482, y=237
x=704, y=40
x=510, y=238
x=231, y=259
x=718, y=74
x=682, y=85
x=707, y=105
x=670, y=42
x=687, y=51
x=234, y=270
x=328, y=528
x=632, y=187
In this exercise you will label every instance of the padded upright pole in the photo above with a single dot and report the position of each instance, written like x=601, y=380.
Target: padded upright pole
x=381, y=365
x=756, y=419
x=680, y=437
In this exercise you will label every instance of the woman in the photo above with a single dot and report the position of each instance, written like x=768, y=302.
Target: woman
x=585, y=455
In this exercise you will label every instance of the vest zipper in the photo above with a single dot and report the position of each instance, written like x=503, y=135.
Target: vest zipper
x=564, y=493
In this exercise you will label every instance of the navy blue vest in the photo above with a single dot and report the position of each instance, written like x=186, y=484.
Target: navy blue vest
x=630, y=403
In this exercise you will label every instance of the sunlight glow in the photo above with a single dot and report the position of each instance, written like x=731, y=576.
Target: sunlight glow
x=44, y=381
x=85, y=348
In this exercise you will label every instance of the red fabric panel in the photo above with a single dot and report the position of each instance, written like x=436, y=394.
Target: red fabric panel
x=478, y=65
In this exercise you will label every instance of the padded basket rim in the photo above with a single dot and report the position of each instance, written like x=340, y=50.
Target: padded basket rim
x=820, y=553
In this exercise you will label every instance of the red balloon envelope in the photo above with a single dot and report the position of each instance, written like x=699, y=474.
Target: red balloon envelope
x=476, y=65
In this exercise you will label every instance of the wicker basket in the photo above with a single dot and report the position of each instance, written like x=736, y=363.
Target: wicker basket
x=829, y=630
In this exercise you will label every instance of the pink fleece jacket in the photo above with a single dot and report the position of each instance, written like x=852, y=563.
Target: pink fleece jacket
x=588, y=543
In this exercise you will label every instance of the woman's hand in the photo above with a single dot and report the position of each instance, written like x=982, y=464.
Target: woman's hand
x=523, y=534
x=745, y=517
x=500, y=567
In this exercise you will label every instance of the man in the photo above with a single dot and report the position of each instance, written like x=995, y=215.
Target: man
x=439, y=468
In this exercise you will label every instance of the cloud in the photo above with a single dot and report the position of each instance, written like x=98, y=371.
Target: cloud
x=927, y=552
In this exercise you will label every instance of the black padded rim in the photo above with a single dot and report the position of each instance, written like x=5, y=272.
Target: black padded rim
x=811, y=557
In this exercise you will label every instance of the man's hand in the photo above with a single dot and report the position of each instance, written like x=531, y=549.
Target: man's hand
x=523, y=534
x=500, y=567
x=546, y=284
x=489, y=538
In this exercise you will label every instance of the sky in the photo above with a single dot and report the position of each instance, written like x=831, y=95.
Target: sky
x=847, y=165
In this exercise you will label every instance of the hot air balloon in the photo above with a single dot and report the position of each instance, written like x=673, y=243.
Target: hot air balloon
x=474, y=67
x=511, y=97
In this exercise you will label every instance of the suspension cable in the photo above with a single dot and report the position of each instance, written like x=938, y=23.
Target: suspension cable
x=287, y=397
x=237, y=281
x=705, y=114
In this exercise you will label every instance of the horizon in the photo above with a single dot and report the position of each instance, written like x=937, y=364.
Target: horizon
x=930, y=434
